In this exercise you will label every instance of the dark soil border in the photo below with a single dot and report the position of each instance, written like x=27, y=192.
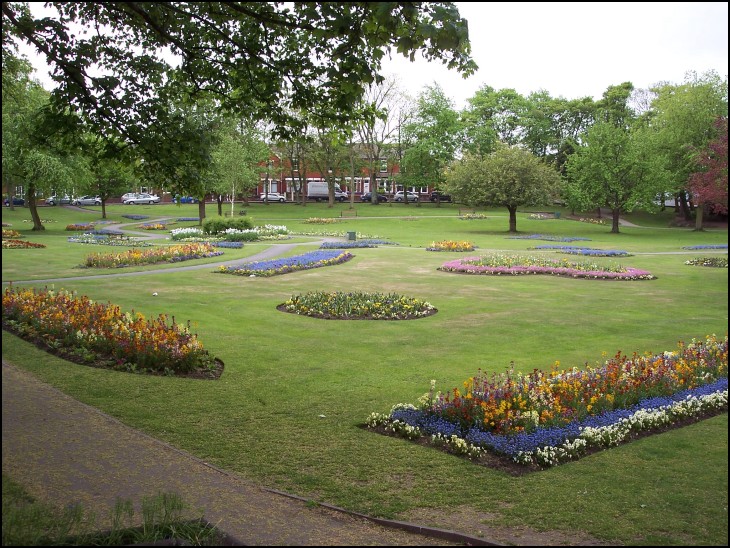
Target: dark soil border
x=201, y=373
x=508, y=466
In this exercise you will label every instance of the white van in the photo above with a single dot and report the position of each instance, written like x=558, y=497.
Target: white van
x=319, y=190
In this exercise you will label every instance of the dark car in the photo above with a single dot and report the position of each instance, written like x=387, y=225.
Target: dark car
x=437, y=196
x=16, y=201
x=188, y=200
x=368, y=196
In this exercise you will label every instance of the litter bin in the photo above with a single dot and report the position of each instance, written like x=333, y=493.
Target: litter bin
x=557, y=214
x=352, y=236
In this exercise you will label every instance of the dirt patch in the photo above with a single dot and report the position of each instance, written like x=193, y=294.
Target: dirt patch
x=480, y=525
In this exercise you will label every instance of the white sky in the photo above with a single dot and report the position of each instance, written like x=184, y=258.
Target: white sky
x=569, y=49
x=577, y=50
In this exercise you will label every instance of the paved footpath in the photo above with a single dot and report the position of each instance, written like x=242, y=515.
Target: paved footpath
x=66, y=452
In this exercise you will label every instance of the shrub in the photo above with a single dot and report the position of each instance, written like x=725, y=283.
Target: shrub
x=217, y=225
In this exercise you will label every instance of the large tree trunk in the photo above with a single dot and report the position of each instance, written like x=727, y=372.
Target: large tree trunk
x=615, y=213
x=699, y=216
x=37, y=224
x=201, y=210
x=512, y=218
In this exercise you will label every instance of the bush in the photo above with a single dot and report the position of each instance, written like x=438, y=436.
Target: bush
x=218, y=225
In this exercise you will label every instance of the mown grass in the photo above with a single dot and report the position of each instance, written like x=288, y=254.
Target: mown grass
x=288, y=409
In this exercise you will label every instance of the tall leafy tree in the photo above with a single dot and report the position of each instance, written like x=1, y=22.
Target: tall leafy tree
x=683, y=118
x=615, y=168
x=709, y=187
x=434, y=135
x=31, y=161
x=239, y=152
x=508, y=177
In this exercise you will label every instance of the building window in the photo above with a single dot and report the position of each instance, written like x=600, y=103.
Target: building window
x=383, y=166
x=295, y=164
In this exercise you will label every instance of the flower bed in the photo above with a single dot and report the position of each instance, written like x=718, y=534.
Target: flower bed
x=544, y=418
x=716, y=262
x=355, y=244
x=470, y=216
x=11, y=234
x=450, y=245
x=550, y=238
x=592, y=220
x=97, y=238
x=153, y=226
x=514, y=265
x=136, y=217
x=273, y=267
x=357, y=306
x=717, y=246
x=590, y=251
x=80, y=227
x=102, y=335
x=186, y=219
x=321, y=221
x=136, y=257
x=21, y=244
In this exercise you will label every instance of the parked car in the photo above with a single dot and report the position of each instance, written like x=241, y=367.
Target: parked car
x=400, y=196
x=16, y=201
x=128, y=195
x=273, y=197
x=368, y=196
x=87, y=201
x=437, y=196
x=55, y=200
x=188, y=200
x=142, y=199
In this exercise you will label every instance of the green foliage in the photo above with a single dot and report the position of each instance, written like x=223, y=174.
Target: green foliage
x=217, y=225
x=509, y=177
x=28, y=522
x=328, y=52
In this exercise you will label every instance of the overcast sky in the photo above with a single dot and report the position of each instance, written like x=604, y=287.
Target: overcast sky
x=569, y=49
x=577, y=50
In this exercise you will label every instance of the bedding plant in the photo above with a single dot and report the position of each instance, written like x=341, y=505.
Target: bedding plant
x=547, y=417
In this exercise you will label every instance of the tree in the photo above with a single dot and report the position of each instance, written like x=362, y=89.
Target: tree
x=433, y=134
x=709, y=187
x=683, y=117
x=508, y=177
x=383, y=107
x=615, y=168
x=31, y=161
x=259, y=60
x=236, y=157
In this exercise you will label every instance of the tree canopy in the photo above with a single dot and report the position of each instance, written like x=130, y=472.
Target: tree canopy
x=508, y=177
x=118, y=62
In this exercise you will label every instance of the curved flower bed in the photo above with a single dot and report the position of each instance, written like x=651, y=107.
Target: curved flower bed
x=545, y=418
x=498, y=265
x=136, y=257
x=102, y=335
x=136, y=217
x=153, y=226
x=21, y=244
x=273, y=267
x=716, y=262
x=450, y=245
x=717, y=246
x=357, y=306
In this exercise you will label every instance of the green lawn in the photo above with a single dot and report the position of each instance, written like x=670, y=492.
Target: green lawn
x=288, y=409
